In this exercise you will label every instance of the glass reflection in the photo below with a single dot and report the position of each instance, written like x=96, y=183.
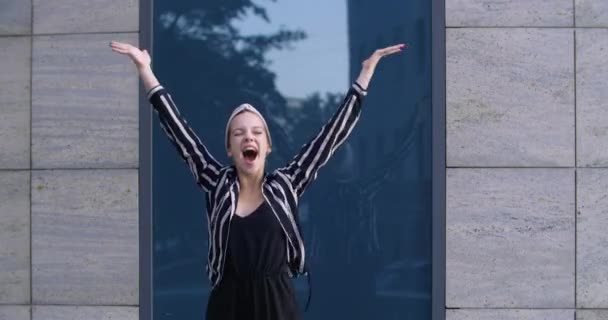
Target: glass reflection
x=367, y=218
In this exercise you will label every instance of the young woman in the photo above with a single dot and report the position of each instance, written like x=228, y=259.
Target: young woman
x=255, y=244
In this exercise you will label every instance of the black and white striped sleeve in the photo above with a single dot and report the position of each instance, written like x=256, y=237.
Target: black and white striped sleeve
x=304, y=167
x=204, y=167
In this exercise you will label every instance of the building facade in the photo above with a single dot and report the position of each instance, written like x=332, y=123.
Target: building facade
x=526, y=157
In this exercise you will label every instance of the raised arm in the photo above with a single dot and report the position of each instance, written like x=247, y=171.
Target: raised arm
x=304, y=167
x=204, y=167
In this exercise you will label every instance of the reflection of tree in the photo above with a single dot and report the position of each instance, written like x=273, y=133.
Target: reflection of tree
x=223, y=67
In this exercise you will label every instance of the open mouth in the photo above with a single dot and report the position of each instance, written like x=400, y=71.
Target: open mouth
x=250, y=154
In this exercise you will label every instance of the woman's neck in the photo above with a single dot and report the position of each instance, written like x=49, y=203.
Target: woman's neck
x=250, y=183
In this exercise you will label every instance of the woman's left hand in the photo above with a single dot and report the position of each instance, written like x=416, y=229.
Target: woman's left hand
x=369, y=65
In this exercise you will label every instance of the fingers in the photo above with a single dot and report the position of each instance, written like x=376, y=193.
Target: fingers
x=380, y=53
x=118, y=47
x=392, y=49
x=395, y=47
x=116, y=44
x=119, y=50
x=122, y=47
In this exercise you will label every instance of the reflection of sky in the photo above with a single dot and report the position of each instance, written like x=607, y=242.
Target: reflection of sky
x=318, y=63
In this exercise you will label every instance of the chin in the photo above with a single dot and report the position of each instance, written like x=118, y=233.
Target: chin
x=250, y=170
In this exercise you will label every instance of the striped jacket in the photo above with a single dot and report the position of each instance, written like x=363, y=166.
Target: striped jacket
x=281, y=188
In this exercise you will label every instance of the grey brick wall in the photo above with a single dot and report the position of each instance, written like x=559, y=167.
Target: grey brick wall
x=68, y=161
x=527, y=157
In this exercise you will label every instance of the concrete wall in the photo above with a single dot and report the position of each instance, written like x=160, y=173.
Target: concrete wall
x=527, y=151
x=68, y=161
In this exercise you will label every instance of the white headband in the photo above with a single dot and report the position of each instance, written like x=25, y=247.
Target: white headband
x=240, y=109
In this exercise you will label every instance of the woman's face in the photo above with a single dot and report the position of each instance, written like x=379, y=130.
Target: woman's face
x=248, y=143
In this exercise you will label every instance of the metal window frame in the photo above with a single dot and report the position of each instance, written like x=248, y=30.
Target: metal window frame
x=439, y=167
x=439, y=158
x=146, y=241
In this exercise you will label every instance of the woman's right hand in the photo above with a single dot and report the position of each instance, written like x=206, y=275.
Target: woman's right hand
x=141, y=58
x=142, y=61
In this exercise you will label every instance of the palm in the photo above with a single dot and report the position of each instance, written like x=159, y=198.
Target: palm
x=141, y=58
x=373, y=60
x=369, y=65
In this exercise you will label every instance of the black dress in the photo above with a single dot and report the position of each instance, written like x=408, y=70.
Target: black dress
x=256, y=283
